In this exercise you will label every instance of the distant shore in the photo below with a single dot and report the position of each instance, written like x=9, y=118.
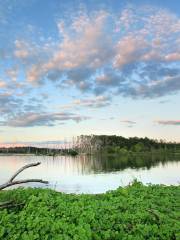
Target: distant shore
x=17, y=154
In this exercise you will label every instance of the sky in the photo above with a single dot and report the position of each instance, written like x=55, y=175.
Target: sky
x=89, y=67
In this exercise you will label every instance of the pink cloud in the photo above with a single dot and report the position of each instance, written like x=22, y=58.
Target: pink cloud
x=21, y=49
x=129, y=49
x=149, y=42
x=173, y=57
x=3, y=84
x=87, y=48
x=94, y=49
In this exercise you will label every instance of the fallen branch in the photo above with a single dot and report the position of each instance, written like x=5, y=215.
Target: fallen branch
x=10, y=204
x=11, y=181
x=22, y=169
x=5, y=204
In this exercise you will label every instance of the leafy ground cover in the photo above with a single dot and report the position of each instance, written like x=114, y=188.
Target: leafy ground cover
x=133, y=212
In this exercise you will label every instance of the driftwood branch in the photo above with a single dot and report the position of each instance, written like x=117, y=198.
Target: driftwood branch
x=11, y=181
x=22, y=169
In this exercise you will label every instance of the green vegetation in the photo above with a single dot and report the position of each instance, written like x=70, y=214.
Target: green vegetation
x=112, y=144
x=38, y=151
x=133, y=212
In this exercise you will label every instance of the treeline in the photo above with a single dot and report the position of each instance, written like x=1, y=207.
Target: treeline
x=37, y=151
x=113, y=143
x=95, y=143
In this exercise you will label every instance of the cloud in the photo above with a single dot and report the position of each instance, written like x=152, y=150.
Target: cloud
x=157, y=88
x=102, y=53
x=169, y=122
x=14, y=108
x=128, y=121
x=173, y=57
x=12, y=73
x=95, y=102
x=21, y=49
x=130, y=49
x=153, y=34
x=9, y=104
x=2, y=84
x=79, y=54
x=93, y=57
x=31, y=119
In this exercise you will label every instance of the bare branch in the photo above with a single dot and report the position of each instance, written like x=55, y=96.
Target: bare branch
x=22, y=169
x=11, y=182
x=8, y=184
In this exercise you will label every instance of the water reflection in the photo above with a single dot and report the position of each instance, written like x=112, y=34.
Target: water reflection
x=103, y=164
x=134, y=161
x=94, y=174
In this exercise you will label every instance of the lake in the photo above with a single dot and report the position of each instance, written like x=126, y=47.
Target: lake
x=93, y=174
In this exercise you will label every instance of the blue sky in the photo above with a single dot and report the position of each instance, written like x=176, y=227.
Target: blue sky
x=89, y=67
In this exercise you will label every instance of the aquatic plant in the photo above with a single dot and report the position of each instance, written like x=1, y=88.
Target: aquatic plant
x=133, y=212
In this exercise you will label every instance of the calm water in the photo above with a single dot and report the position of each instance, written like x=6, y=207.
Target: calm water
x=93, y=174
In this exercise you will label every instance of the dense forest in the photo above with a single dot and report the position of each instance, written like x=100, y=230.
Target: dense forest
x=113, y=143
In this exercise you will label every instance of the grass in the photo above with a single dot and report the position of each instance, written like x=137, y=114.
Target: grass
x=133, y=212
